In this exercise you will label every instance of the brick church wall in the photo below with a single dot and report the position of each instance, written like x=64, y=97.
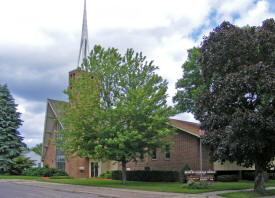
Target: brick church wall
x=50, y=156
x=185, y=150
x=73, y=164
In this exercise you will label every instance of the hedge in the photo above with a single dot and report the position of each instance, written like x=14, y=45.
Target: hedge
x=271, y=176
x=44, y=172
x=154, y=176
x=106, y=175
x=227, y=178
x=250, y=175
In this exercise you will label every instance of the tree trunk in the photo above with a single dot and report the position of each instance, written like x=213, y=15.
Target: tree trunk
x=259, y=179
x=123, y=172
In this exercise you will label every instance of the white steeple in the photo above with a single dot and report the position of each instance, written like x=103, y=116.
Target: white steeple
x=84, y=43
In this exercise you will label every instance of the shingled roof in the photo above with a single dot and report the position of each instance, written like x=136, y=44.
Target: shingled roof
x=189, y=127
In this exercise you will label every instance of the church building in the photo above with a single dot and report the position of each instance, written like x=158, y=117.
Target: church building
x=186, y=147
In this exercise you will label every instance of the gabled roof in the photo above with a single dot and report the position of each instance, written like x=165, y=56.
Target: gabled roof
x=53, y=110
x=189, y=127
x=56, y=107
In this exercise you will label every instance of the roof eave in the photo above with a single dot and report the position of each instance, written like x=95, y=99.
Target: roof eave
x=185, y=130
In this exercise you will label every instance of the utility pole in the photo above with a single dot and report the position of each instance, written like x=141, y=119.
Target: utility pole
x=201, y=134
x=200, y=156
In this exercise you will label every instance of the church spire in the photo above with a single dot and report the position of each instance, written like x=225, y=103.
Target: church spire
x=84, y=43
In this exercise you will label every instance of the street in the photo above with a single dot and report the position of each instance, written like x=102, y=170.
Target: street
x=16, y=188
x=9, y=190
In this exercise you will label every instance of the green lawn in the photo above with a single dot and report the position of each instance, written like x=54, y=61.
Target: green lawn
x=149, y=186
x=247, y=194
x=19, y=177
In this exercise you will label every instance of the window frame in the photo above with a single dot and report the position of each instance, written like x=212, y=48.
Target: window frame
x=167, y=152
x=154, y=154
x=60, y=155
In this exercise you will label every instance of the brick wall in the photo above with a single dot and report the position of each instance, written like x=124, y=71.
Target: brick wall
x=50, y=155
x=72, y=164
x=72, y=167
x=185, y=150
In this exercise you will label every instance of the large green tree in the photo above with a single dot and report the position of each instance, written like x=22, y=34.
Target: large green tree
x=237, y=107
x=191, y=83
x=117, y=108
x=10, y=139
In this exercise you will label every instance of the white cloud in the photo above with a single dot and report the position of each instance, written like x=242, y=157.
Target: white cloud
x=31, y=142
x=185, y=116
x=30, y=22
x=145, y=14
x=226, y=9
x=170, y=55
x=256, y=15
x=229, y=7
x=33, y=115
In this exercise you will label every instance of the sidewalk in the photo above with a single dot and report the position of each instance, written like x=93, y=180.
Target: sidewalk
x=113, y=192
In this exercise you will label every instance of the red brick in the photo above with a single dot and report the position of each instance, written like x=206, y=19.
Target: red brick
x=185, y=150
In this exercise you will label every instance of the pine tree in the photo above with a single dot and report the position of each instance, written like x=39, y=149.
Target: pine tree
x=10, y=140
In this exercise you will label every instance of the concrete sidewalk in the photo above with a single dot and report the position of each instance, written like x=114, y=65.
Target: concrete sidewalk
x=113, y=192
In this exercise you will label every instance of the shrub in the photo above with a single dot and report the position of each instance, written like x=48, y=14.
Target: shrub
x=271, y=176
x=106, y=175
x=198, y=185
x=44, y=172
x=140, y=175
x=227, y=178
x=183, y=177
x=266, y=177
x=248, y=175
x=21, y=163
x=251, y=176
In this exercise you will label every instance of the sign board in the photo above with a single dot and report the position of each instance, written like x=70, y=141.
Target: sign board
x=200, y=175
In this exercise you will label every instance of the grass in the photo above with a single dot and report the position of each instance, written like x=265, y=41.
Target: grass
x=247, y=194
x=61, y=177
x=148, y=186
x=19, y=177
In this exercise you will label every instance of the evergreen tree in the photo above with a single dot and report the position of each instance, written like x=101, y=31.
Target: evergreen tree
x=10, y=140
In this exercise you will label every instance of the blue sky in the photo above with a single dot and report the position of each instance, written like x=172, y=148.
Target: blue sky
x=39, y=41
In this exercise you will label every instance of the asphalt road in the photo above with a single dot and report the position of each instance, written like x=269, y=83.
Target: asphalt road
x=16, y=188
x=8, y=190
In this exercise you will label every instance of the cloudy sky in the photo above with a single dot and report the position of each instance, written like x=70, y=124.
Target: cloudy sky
x=39, y=41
